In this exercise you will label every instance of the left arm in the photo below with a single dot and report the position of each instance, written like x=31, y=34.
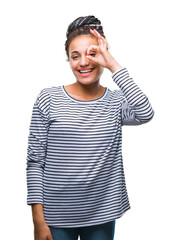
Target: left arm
x=136, y=108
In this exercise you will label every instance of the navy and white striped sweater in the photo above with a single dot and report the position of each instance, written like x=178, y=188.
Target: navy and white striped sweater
x=74, y=159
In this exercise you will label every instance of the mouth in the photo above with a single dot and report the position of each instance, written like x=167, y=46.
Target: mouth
x=85, y=72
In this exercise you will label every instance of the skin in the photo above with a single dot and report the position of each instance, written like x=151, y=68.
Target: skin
x=85, y=52
x=41, y=230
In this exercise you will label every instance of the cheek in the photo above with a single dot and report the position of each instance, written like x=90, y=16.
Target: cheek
x=101, y=70
x=72, y=65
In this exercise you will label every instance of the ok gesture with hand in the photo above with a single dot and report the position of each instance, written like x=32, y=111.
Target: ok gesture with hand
x=101, y=54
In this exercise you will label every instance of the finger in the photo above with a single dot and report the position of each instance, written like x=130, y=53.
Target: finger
x=50, y=237
x=92, y=48
x=92, y=59
x=101, y=39
x=95, y=33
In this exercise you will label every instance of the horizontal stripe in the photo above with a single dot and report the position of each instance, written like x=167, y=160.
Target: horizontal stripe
x=74, y=156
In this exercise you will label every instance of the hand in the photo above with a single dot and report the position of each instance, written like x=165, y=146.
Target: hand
x=42, y=232
x=102, y=55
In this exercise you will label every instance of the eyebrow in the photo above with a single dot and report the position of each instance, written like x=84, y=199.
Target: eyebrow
x=78, y=52
x=74, y=52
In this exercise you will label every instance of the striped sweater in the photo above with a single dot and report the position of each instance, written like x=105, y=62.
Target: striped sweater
x=74, y=156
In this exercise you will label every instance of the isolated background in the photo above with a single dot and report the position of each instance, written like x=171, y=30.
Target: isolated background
x=144, y=37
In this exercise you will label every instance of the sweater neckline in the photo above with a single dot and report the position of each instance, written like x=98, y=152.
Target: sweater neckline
x=84, y=101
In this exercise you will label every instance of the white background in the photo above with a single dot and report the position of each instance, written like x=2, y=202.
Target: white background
x=144, y=37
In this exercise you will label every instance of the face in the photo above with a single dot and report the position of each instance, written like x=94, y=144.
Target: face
x=85, y=71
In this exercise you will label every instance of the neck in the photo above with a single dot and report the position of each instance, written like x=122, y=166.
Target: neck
x=88, y=90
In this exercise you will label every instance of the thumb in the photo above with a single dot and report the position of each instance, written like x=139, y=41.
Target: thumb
x=50, y=237
x=92, y=49
x=92, y=59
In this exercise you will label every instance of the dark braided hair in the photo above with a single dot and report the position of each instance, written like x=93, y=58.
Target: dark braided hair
x=82, y=26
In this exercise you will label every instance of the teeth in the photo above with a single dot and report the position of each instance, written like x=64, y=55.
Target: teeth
x=85, y=71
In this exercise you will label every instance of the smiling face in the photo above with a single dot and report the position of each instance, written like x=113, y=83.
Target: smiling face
x=85, y=71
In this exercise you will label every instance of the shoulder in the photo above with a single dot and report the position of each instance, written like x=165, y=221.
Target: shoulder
x=44, y=98
x=45, y=92
x=116, y=95
x=48, y=92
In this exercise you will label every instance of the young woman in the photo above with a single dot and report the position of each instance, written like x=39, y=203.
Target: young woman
x=75, y=175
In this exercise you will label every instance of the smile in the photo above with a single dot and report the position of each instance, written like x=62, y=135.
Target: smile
x=85, y=72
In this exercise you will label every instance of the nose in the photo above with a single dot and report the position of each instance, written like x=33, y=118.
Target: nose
x=84, y=61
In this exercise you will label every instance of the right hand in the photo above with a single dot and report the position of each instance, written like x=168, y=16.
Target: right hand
x=42, y=232
x=102, y=57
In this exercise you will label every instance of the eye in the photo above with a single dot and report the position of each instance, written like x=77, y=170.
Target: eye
x=93, y=54
x=74, y=57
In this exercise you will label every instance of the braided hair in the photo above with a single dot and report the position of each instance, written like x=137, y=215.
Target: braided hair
x=82, y=26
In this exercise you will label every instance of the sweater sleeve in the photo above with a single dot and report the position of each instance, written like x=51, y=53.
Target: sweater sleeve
x=36, y=152
x=136, y=108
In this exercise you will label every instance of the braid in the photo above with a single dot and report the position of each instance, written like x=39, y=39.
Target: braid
x=83, y=21
x=82, y=26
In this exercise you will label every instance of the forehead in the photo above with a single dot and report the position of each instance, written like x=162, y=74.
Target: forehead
x=81, y=43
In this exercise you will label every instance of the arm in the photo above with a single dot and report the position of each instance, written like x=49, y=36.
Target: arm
x=37, y=213
x=41, y=230
x=36, y=152
x=36, y=155
x=135, y=107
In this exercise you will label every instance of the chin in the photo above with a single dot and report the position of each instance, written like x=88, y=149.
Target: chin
x=88, y=78
x=86, y=82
